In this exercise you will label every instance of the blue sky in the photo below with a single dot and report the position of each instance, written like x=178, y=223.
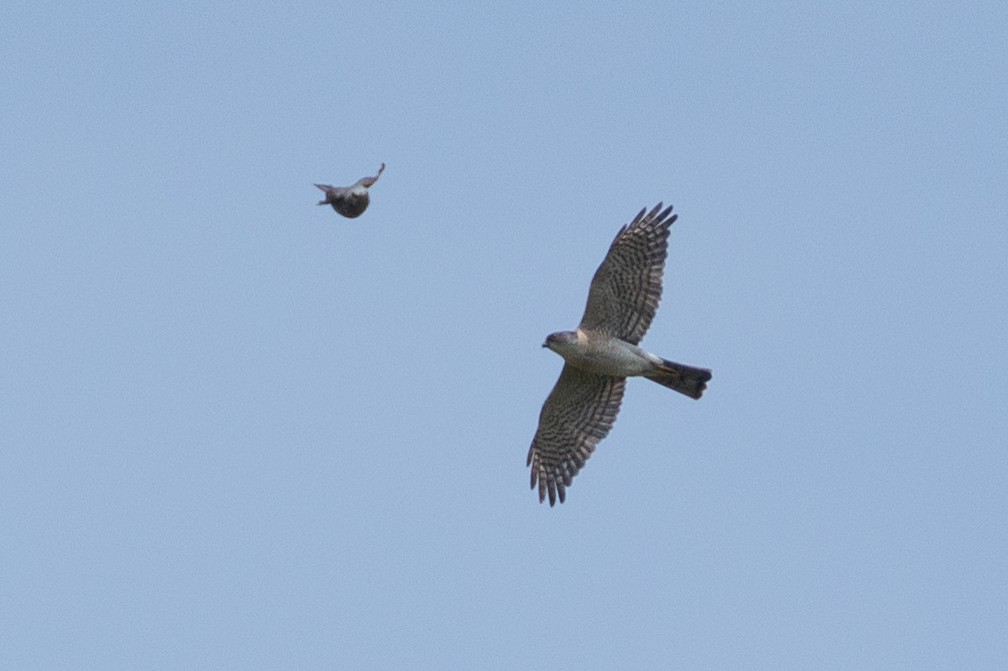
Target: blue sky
x=240, y=431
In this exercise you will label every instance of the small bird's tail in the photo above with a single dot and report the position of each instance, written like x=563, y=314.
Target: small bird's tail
x=327, y=189
x=683, y=379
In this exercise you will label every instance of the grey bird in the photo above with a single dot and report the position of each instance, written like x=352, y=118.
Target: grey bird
x=350, y=201
x=603, y=352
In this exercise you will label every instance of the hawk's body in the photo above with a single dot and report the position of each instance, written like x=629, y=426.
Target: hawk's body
x=350, y=201
x=603, y=352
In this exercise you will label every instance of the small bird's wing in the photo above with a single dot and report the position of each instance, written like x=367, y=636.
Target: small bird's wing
x=627, y=287
x=577, y=414
x=326, y=187
x=368, y=182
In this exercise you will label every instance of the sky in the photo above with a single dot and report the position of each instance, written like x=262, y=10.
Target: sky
x=242, y=432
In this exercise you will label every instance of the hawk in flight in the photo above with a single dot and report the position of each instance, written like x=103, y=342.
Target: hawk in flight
x=603, y=352
x=350, y=201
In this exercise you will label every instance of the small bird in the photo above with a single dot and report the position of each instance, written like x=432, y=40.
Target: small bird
x=603, y=352
x=350, y=201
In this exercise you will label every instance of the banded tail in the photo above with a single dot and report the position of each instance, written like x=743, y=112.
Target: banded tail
x=683, y=379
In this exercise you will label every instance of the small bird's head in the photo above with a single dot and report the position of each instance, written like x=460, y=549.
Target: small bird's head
x=557, y=341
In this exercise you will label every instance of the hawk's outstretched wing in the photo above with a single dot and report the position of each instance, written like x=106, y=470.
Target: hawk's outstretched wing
x=577, y=414
x=627, y=287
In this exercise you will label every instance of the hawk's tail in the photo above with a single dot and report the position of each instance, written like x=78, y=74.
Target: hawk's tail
x=684, y=379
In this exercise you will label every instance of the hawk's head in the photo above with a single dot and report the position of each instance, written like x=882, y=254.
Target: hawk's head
x=559, y=340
